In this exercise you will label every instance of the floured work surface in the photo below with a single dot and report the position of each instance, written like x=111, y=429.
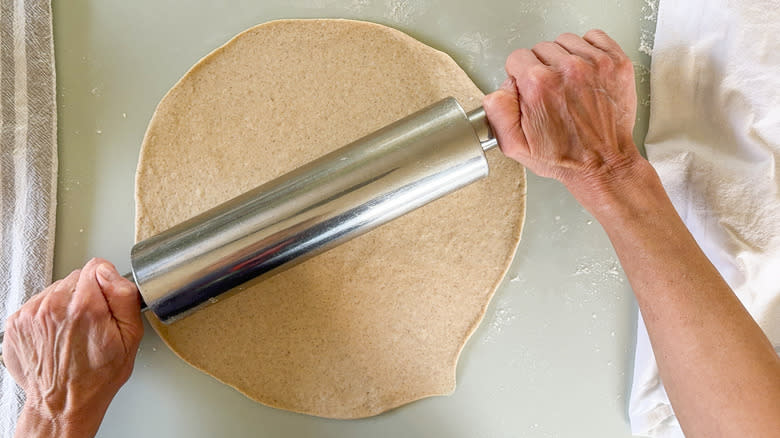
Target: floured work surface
x=379, y=321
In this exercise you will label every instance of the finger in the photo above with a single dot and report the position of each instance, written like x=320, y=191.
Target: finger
x=59, y=294
x=30, y=308
x=87, y=295
x=27, y=311
x=67, y=284
x=519, y=62
x=550, y=53
x=599, y=39
x=578, y=46
x=42, y=294
x=123, y=301
x=502, y=108
x=34, y=303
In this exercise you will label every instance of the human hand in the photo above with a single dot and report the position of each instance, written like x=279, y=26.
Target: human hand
x=567, y=112
x=71, y=347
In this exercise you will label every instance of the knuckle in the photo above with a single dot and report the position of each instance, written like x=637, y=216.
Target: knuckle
x=94, y=261
x=538, y=76
x=59, y=287
x=71, y=280
x=519, y=53
x=626, y=66
x=515, y=58
x=541, y=45
x=19, y=320
x=575, y=67
x=52, y=306
x=566, y=36
x=595, y=33
x=11, y=322
x=99, y=261
x=45, y=307
x=538, y=82
x=26, y=312
x=603, y=62
x=52, y=287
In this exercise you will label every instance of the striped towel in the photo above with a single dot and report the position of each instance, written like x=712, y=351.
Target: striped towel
x=28, y=167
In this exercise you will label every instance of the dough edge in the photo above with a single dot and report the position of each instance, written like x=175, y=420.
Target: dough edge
x=279, y=404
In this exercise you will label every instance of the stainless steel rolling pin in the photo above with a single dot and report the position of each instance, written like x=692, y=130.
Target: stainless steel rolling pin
x=314, y=208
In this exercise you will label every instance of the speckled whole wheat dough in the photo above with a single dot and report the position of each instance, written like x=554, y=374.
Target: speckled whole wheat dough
x=370, y=325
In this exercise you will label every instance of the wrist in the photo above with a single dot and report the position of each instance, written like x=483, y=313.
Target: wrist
x=624, y=192
x=37, y=420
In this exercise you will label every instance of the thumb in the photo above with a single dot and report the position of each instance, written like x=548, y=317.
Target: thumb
x=123, y=302
x=502, y=108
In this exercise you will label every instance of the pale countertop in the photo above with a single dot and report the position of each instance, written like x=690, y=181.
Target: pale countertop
x=553, y=357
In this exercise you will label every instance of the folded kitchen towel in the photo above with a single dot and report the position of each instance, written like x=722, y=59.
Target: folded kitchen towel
x=714, y=139
x=28, y=167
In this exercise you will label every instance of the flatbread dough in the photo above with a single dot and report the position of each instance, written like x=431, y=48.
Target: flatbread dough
x=370, y=325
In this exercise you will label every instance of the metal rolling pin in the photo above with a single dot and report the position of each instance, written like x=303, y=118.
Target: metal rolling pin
x=314, y=208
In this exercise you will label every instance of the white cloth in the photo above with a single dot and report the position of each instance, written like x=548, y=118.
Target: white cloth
x=715, y=141
x=28, y=167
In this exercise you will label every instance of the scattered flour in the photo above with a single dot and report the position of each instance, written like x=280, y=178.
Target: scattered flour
x=502, y=318
x=647, y=26
x=405, y=11
x=357, y=5
x=599, y=271
x=476, y=46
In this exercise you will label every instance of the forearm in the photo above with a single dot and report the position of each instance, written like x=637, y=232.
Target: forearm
x=710, y=352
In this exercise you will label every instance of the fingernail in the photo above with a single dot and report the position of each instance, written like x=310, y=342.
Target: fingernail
x=104, y=272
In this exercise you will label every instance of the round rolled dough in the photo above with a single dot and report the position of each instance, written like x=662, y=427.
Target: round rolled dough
x=377, y=322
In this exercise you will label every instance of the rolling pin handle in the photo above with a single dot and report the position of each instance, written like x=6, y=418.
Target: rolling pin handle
x=130, y=276
x=482, y=127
